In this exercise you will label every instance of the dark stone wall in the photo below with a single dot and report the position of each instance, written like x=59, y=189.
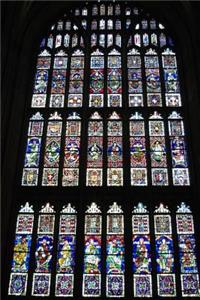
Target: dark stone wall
x=23, y=25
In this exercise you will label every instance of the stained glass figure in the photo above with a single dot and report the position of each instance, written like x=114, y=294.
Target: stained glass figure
x=187, y=252
x=164, y=252
x=72, y=150
x=115, y=264
x=92, y=252
x=43, y=252
x=21, y=255
x=114, y=151
x=141, y=253
x=66, y=252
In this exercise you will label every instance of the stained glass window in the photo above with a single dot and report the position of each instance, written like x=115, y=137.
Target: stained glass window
x=159, y=171
x=73, y=73
x=43, y=252
x=135, y=89
x=105, y=231
x=164, y=252
x=114, y=79
x=75, y=96
x=96, y=78
x=92, y=252
x=95, y=151
x=187, y=252
x=33, y=149
x=178, y=149
x=72, y=150
x=115, y=263
x=114, y=151
x=142, y=278
x=52, y=150
x=106, y=115
x=137, y=150
x=66, y=252
x=21, y=255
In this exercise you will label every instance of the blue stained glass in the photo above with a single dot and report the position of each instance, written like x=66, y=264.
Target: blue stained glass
x=97, y=62
x=33, y=145
x=43, y=253
x=177, y=143
x=170, y=74
x=41, y=75
x=141, y=254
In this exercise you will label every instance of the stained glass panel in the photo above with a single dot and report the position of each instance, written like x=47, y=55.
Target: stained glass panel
x=43, y=252
x=187, y=252
x=115, y=263
x=66, y=252
x=92, y=253
x=21, y=251
x=114, y=82
x=164, y=252
x=141, y=252
x=72, y=151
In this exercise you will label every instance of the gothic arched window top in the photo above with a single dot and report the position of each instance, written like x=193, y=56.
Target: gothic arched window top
x=115, y=59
